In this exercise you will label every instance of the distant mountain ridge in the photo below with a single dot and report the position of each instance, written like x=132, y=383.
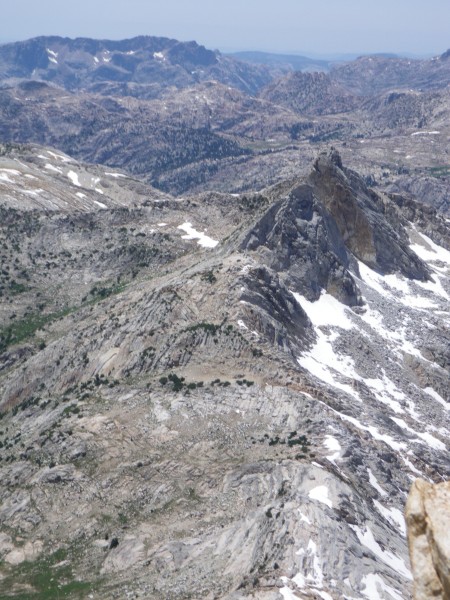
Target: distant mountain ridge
x=187, y=118
x=138, y=63
x=295, y=62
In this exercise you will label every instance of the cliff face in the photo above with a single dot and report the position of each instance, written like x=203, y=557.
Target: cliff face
x=217, y=395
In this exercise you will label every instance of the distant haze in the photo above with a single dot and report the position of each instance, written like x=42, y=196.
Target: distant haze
x=326, y=27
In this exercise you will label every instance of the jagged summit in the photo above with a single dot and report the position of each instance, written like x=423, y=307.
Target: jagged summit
x=369, y=227
x=317, y=231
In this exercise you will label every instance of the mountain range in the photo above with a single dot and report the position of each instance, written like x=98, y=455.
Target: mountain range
x=224, y=321
x=185, y=118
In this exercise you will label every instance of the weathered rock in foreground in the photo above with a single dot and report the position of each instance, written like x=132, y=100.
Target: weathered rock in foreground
x=428, y=519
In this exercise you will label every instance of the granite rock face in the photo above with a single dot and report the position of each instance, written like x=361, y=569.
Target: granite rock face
x=217, y=395
x=428, y=520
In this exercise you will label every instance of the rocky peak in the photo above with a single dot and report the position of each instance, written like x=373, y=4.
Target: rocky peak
x=316, y=232
x=364, y=218
x=327, y=160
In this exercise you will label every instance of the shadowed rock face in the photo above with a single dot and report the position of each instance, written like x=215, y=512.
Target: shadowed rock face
x=313, y=234
x=275, y=313
x=368, y=232
x=304, y=243
x=428, y=518
x=334, y=189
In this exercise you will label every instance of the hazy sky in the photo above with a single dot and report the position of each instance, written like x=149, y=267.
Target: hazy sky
x=324, y=26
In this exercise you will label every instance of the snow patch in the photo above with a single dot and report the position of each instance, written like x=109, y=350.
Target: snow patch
x=393, y=515
x=326, y=311
x=100, y=204
x=193, y=234
x=425, y=133
x=426, y=438
x=437, y=397
x=52, y=56
x=74, y=178
x=60, y=157
x=334, y=446
x=374, y=483
x=50, y=167
x=373, y=279
x=32, y=192
x=429, y=251
x=304, y=518
x=375, y=587
x=320, y=493
x=4, y=177
x=116, y=175
x=386, y=392
x=287, y=593
x=382, y=437
x=322, y=361
x=367, y=539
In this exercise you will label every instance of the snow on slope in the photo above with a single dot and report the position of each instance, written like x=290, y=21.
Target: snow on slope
x=391, y=405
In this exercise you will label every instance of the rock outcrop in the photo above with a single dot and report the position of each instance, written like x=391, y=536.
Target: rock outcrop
x=428, y=520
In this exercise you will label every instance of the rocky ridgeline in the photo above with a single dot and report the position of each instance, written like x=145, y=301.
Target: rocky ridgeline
x=221, y=395
x=143, y=66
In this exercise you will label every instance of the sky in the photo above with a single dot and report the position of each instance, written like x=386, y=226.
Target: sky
x=325, y=27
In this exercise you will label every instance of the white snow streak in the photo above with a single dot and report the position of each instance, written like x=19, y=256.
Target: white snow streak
x=50, y=167
x=437, y=397
x=193, y=234
x=320, y=493
x=425, y=133
x=100, y=204
x=74, y=178
x=374, y=483
x=389, y=558
x=428, y=251
x=426, y=438
x=374, y=586
x=116, y=175
x=393, y=515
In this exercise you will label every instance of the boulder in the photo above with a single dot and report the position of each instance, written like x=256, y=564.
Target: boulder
x=428, y=518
